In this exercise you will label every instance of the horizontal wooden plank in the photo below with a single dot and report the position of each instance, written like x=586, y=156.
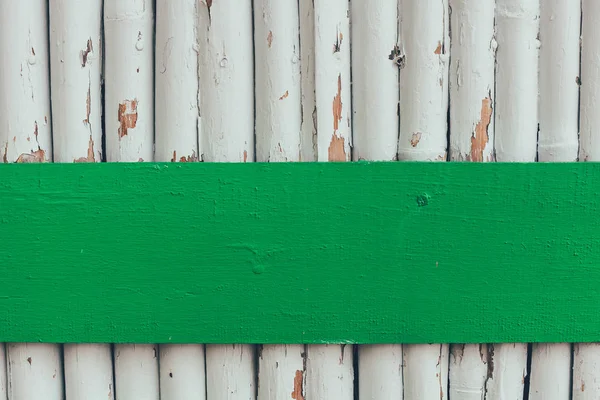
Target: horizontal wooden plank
x=300, y=253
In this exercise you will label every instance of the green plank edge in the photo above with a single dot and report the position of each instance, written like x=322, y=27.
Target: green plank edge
x=300, y=253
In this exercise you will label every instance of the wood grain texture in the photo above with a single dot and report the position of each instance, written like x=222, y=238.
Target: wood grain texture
x=299, y=253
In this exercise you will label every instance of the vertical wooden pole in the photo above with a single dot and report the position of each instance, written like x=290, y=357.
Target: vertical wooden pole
x=129, y=81
x=176, y=77
x=380, y=371
x=550, y=371
x=329, y=368
x=425, y=371
x=129, y=121
x=424, y=80
x=76, y=72
x=25, y=84
x=516, y=127
x=473, y=53
x=507, y=369
x=590, y=86
x=136, y=372
x=329, y=372
x=559, y=80
x=375, y=96
x=88, y=372
x=332, y=80
x=278, y=138
x=34, y=370
x=3, y=372
x=278, y=83
x=423, y=137
x=308, y=140
x=281, y=372
x=470, y=368
x=516, y=121
x=586, y=356
x=182, y=372
x=586, y=368
x=230, y=372
x=226, y=80
x=473, y=50
x=558, y=141
x=375, y=66
x=177, y=124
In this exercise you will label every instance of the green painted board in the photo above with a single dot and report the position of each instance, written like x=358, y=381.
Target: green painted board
x=300, y=253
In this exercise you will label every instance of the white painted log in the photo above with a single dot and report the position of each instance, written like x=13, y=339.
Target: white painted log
x=329, y=372
x=473, y=50
x=136, y=372
x=375, y=96
x=88, y=372
x=375, y=92
x=76, y=68
x=281, y=370
x=230, y=372
x=3, y=374
x=34, y=371
x=423, y=59
x=550, y=372
x=469, y=367
x=24, y=82
x=516, y=126
x=182, y=372
x=559, y=80
x=332, y=80
x=308, y=140
x=380, y=371
x=278, y=83
x=278, y=138
x=424, y=80
x=226, y=81
x=507, y=371
x=226, y=78
x=586, y=369
x=129, y=108
x=129, y=80
x=176, y=76
x=557, y=141
x=590, y=82
x=425, y=371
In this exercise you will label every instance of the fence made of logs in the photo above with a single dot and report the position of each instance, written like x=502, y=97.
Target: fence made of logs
x=299, y=81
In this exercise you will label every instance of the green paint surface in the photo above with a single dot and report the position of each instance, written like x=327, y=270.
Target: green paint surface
x=300, y=253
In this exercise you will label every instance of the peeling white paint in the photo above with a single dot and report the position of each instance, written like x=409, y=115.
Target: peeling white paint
x=176, y=90
x=332, y=80
x=129, y=80
x=278, y=83
x=473, y=53
x=424, y=80
x=25, y=82
x=425, y=371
